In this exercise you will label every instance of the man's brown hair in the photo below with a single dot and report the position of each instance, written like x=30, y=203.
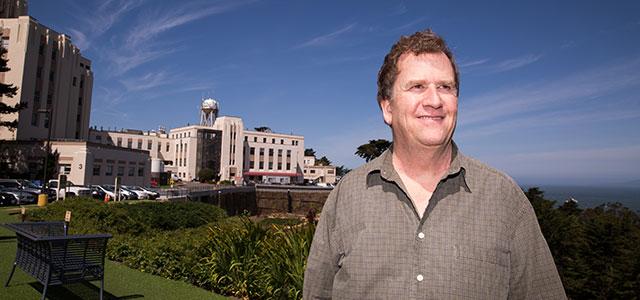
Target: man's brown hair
x=418, y=43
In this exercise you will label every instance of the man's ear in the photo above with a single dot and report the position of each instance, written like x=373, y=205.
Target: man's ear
x=385, y=106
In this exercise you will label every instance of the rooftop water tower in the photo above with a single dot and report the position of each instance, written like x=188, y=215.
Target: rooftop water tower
x=208, y=112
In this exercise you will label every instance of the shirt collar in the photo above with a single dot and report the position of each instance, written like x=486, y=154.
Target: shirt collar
x=384, y=165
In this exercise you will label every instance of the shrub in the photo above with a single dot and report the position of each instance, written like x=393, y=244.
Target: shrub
x=91, y=216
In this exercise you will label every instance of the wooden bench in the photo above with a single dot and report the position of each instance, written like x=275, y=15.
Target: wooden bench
x=53, y=258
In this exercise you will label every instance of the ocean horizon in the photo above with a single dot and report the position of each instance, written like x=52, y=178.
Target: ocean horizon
x=592, y=196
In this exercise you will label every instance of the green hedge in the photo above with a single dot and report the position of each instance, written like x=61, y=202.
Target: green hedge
x=135, y=218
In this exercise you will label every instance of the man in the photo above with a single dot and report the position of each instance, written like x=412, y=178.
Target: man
x=424, y=221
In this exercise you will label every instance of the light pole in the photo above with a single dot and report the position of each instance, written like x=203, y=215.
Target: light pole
x=48, y=147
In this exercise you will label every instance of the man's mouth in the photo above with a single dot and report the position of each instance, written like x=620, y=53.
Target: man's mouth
x=431, y=117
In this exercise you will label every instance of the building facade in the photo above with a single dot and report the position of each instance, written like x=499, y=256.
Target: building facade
x=273, y=158
x=318, y=173
x=87, y=163
x=53, y=79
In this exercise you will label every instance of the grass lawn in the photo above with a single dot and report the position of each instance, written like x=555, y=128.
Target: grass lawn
x=120, y=282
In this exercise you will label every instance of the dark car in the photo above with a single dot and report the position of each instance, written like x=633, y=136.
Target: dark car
x=7, y=199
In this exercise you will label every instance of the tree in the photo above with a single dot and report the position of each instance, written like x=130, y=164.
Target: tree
x=342, y=170
x=8, y=90
x=206, y=174
x=263, y=129
x=309, y=152
x=373, y=149
x=323, y=161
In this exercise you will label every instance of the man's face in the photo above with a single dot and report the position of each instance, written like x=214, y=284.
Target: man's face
x=423, y=107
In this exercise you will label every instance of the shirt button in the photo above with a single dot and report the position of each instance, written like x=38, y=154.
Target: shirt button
x=421, y=235
x=420, y=277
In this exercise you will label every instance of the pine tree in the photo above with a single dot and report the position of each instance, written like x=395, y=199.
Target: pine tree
x=8, y=90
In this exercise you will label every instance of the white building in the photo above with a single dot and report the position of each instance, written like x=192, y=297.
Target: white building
x=318, y=173
x=50, y=74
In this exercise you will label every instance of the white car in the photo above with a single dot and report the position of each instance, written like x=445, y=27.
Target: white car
x=149, y=194
x=140, y=194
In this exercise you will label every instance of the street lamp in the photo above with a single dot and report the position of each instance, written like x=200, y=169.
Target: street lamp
x=46, y=156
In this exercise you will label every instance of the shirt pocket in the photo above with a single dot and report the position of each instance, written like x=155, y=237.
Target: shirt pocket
x=484, y=270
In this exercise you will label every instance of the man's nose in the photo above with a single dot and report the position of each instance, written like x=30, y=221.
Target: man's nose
x=431, y=97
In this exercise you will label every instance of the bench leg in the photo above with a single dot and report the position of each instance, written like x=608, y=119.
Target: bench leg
x=46, y=285
x=11, y=275
x=101, y=286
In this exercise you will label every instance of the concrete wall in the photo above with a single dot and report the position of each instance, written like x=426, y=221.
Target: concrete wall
x=264, y=201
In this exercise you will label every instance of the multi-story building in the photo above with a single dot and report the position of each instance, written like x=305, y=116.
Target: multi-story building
x=318, y=173
x=272, y=157
x=53, y=79
x=13, y=8
x=235, y=154
x=87, y=163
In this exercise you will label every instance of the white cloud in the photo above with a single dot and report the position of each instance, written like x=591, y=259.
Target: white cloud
x=326, y=38
x=515, y=63
x=535, y=98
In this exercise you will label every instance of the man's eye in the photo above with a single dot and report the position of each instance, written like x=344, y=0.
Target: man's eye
x=446, y=87
x=417, y=87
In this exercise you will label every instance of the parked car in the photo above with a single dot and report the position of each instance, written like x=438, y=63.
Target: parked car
x=26, y=186
x=21, y=196
x=7, y=199
x=97, y=193
x=124, y=194
x=106, y=191
x=142, y=192
x=71, y=189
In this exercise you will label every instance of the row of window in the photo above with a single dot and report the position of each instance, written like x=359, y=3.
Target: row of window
x=252, y=151
x=312, y=171
x=273, y=140
x=120, y=171
x=261, y=164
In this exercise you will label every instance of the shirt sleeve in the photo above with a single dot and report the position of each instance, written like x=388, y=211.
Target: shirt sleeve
x=533, y=271
x=322, y=264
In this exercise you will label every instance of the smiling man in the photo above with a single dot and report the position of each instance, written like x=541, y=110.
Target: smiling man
x=424, y=221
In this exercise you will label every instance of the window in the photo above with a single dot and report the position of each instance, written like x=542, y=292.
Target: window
x=255, y=139
x=129, y=143
x=149, y=145
x=329, y=171
x=140, y=171
x=251, y=164
x=261, y=151
x=261, y=165
x=65, y=169
x=264, y=140
x=281, y=142
x=119, y=142
x=168, y=146
x=288, y=154
x=109, y=171
x=273, y=141
x=270, y=165
x=312, y=171
x=288, y=166
x=270, y=152
x=140, y=144
x=279, y=166
x=279, y=152
x=120, y=170
x=252, y=150
x=96, y=170
x=98, y=138
x=132, y=171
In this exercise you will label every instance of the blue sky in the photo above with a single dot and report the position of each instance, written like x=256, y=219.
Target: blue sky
x=549, y=91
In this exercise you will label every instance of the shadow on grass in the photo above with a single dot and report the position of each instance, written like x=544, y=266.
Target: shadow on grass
x=8, y=239
x=78, y=291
